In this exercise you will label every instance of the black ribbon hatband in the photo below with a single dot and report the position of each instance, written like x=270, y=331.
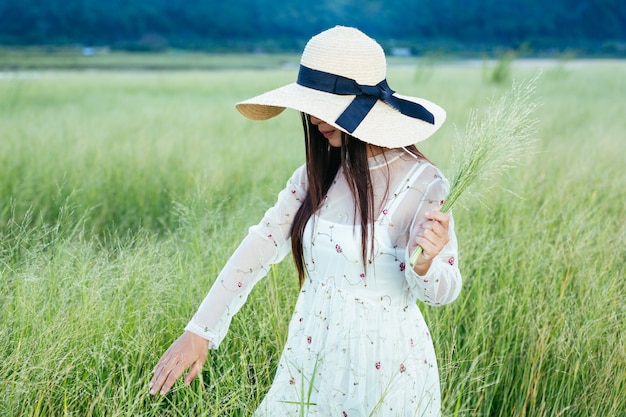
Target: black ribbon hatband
x=366, y=97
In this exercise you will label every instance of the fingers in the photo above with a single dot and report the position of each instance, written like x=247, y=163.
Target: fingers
x=441, y=218
x=195, y=370
x=433, y=235
x=189, y=350
x=437, y=223
x=167, y=371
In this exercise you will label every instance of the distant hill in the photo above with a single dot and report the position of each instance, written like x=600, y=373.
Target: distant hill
x=591, y=27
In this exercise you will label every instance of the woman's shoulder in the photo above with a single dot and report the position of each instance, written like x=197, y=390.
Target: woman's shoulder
x=421, y=169
x=299, y=176
x=426, y=179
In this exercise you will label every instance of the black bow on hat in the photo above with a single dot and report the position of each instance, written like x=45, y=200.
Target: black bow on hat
x=366, y=97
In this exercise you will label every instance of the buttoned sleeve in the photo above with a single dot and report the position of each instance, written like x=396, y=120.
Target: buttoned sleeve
x=266, y=243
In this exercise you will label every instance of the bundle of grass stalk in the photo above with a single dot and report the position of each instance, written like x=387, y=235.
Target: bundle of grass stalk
x=492, y=144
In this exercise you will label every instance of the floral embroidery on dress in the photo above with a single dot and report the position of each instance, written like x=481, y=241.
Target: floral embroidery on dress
x=343, y=330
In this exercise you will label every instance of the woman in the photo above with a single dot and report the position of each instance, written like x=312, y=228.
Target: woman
x=365, y=199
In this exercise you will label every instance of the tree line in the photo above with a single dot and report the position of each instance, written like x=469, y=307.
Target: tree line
x=248, y=25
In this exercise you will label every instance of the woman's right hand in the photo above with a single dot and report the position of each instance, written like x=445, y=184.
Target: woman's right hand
x=189, y=350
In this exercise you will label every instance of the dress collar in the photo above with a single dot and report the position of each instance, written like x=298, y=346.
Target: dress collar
x=384, y=158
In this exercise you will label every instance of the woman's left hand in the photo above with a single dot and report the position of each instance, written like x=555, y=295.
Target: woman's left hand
x=432, y=237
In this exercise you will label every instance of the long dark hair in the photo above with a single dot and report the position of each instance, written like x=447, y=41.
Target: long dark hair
x=322, y=164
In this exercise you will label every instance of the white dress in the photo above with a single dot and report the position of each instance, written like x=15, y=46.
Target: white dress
x=357, y=342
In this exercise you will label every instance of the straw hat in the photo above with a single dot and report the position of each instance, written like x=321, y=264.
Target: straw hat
x=342, y=80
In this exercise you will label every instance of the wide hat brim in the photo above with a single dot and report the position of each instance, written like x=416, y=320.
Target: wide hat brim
x=383, y=125
x=347, y=53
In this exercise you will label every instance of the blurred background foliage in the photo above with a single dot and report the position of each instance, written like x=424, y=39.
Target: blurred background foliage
x=590, y=27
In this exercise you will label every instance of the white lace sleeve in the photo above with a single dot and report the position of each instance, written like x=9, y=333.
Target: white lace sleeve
x=442, y=282
x=267, y=243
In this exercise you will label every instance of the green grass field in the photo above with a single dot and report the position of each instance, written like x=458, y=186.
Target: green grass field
x=123, y=193
x=67, y=58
